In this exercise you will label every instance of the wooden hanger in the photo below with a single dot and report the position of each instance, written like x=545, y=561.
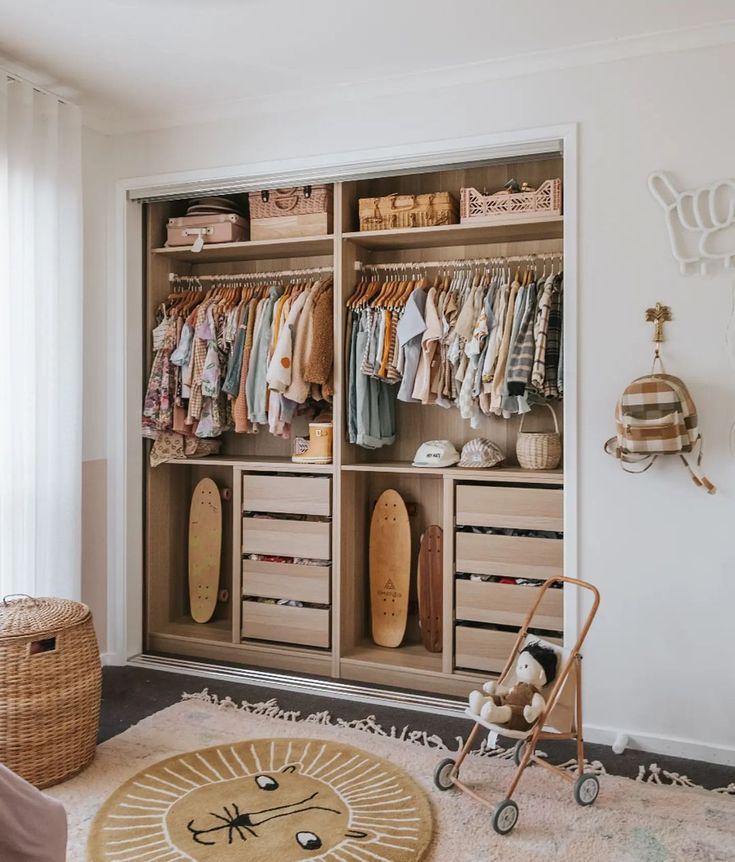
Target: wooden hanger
x=373, y=290
x=357, y=293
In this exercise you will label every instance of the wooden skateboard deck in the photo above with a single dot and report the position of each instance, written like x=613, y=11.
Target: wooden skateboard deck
x=205, y=550
x=431, y=588
x=390, y=569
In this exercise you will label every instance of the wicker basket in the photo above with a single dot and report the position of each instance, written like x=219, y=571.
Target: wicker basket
x=50, y=688
x=478, y=208
x=297, y=200
x=407, y=211
x=539, y=450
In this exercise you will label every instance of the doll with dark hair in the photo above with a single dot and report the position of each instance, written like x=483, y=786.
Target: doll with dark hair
x=519, y=706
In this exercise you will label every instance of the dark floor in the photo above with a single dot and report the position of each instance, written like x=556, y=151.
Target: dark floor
x=130, y=694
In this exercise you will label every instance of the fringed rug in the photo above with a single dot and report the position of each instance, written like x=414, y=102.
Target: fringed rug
x=266, y=800
x=632, y=821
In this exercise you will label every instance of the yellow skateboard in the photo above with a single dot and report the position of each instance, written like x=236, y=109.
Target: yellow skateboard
x=205, y=550
x=390, y=569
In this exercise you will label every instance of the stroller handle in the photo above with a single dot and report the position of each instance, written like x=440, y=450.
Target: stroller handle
x=523, y=631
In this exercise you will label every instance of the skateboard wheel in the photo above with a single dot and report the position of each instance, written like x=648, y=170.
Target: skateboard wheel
x=226, y=494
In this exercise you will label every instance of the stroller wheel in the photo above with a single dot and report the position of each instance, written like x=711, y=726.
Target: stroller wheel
x=586, y=788
x=505, y=817
x=443, y=773
x=518, y=750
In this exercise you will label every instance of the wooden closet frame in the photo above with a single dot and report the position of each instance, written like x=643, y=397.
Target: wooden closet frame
x=125, y=333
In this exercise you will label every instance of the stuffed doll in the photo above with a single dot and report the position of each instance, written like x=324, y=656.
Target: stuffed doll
x=518, y=707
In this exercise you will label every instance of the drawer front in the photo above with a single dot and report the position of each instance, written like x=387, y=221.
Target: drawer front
x=286, y=581
x=507, y=604
x=512, y=556
x=485, y=649
x=305, y=626
x=309, y=539
x=522, y=508
x=290, y=495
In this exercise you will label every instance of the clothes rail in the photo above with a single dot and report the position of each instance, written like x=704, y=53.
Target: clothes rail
x=248, y=276
x=460, y=262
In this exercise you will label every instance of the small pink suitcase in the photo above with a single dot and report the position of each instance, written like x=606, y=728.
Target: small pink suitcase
x=197, y=231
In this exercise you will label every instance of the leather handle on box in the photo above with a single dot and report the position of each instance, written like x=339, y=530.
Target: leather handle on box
x=410, y=206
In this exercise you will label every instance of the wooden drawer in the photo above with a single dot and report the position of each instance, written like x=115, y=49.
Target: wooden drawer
x=286, y=581
x=512, y=556
x=281, y=623
x=485, y=649
x=291, y=495
x=507, y=605
x=523, y=508
x=309, y=539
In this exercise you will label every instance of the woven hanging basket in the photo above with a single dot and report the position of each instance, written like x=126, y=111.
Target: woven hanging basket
x=539, y=450
x=50, y=688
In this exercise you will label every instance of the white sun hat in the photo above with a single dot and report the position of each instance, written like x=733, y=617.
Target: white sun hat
x=436, y=453
x=481, y=453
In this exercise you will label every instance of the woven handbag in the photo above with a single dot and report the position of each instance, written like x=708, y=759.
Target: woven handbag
x=539, y=450
x=655, y=416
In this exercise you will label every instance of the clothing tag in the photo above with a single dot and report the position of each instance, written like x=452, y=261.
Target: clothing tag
x=198, y=243
x=492, y=739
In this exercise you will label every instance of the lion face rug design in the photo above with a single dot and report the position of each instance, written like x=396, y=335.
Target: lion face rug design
x=266, y=799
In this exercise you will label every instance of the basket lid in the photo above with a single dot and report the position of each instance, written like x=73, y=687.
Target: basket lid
x=22, y=616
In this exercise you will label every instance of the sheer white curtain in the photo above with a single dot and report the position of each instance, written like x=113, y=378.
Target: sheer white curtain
x=40, y=343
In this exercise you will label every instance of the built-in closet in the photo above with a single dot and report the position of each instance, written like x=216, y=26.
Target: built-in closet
x=504, y=522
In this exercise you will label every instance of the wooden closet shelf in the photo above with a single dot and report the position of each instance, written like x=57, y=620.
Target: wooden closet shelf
x=496, y=474
x=185, y=627
x=408, y=656
x=513, y=230
x=262, y=463
x=231, y=252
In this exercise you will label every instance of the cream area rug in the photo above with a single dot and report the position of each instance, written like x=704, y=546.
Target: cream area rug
x=632, y=821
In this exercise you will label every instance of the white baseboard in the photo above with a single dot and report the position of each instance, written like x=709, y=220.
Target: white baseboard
x=669, y=745
x=108, y=659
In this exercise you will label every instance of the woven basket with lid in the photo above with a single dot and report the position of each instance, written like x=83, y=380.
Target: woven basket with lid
x=50, y=688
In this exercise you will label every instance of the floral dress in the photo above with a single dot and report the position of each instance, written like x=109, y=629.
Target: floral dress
x=159, y=397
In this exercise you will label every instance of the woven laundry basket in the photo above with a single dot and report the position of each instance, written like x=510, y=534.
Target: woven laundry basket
x=539, y=450
x=50, y=688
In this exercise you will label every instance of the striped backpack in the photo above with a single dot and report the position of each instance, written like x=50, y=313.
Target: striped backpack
x=656, y=416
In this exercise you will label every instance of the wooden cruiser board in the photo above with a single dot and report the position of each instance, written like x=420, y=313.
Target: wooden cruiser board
x=390, y=569
x=205, y=550
x=430, y=587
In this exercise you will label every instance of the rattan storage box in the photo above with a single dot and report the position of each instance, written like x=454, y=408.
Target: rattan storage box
x=50, y=688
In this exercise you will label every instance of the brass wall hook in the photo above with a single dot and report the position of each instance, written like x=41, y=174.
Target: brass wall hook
x=658, y=315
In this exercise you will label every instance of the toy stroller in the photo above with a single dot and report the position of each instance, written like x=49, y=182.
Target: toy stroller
x=561, y=712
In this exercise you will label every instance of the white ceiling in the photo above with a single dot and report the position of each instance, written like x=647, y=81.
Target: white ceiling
x=149, y=63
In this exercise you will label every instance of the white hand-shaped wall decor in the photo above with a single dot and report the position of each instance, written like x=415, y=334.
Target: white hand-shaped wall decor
x=700, y=222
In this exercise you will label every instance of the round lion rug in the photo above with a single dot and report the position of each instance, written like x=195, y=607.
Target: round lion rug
x=265, y=800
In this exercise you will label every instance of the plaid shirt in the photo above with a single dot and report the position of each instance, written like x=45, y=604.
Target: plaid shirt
x=553, y=343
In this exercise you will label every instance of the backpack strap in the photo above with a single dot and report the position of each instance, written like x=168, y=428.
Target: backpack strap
x=639, y=460
x=692, y=462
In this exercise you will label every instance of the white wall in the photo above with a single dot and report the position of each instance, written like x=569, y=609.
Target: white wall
x=660, y=662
